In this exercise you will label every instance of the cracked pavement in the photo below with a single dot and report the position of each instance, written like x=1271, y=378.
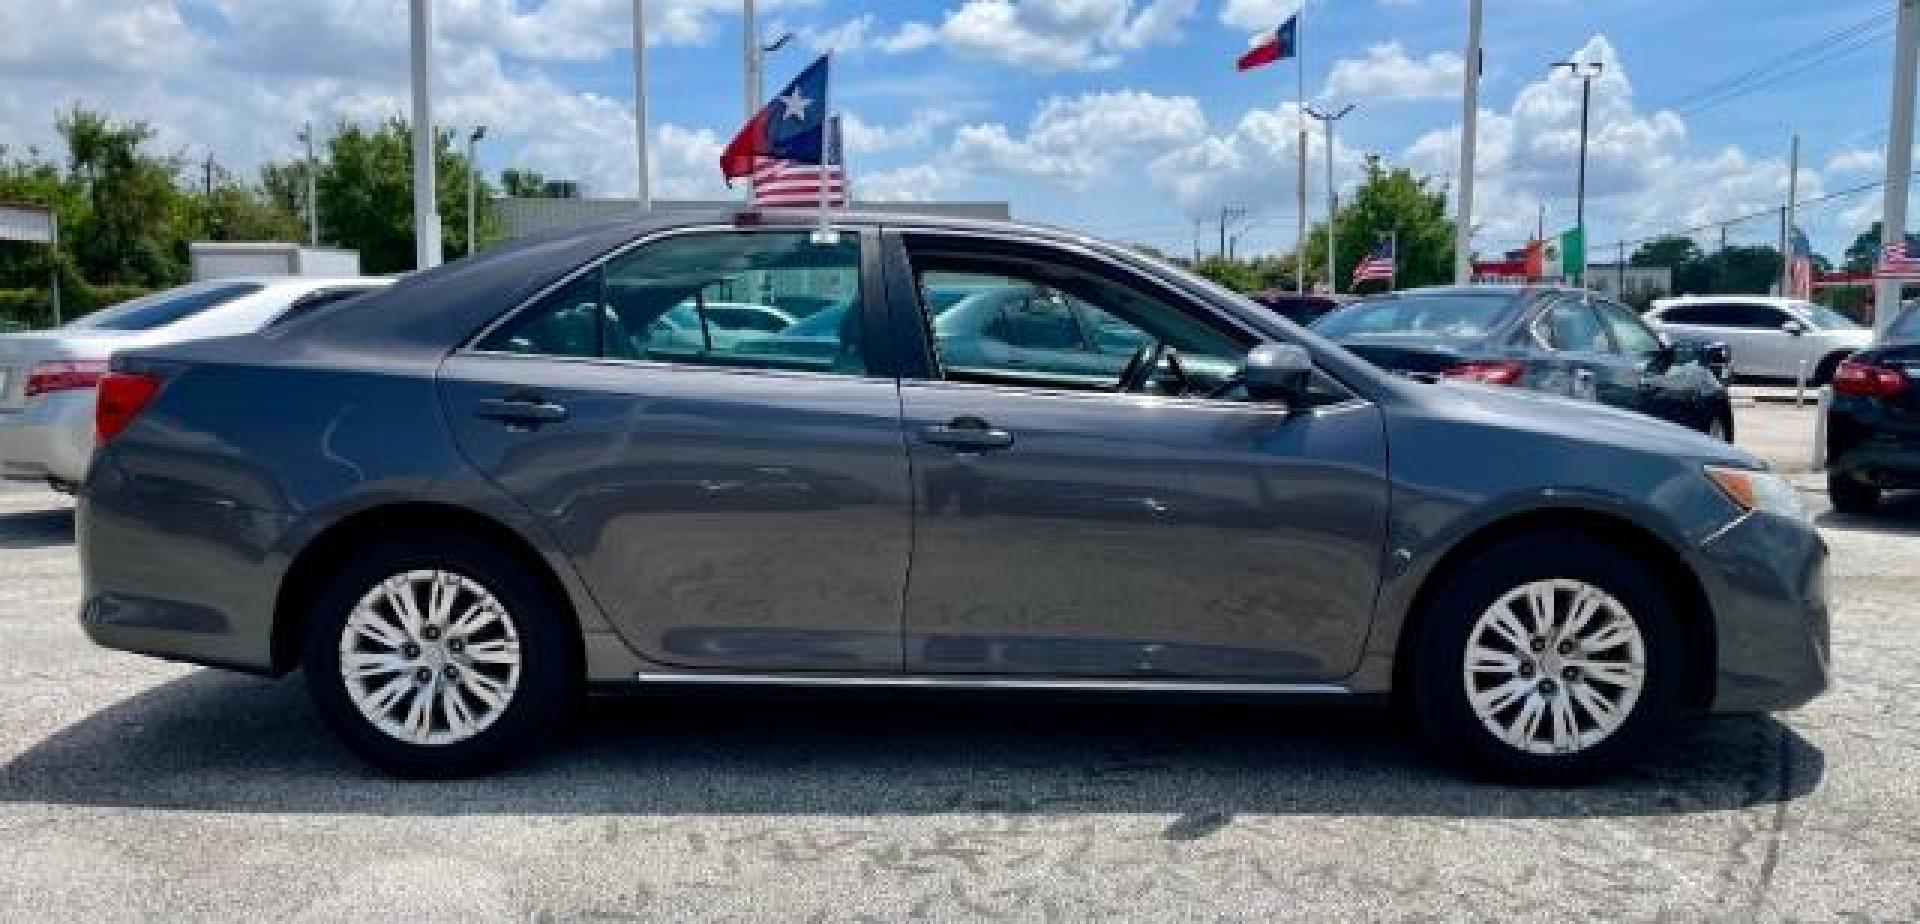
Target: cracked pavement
x=131, y=789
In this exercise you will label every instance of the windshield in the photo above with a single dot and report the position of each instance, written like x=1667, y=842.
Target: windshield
x=1906, y=326
x=1437, y=317
x=163, y=308
x=1826, y=318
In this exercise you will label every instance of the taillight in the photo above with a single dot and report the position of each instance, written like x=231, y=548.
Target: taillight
x=123, y=395
x=63, y=375
x=1867, y=380
x=1488, y=372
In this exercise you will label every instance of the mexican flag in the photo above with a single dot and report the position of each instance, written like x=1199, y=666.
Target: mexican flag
x=1563, y=257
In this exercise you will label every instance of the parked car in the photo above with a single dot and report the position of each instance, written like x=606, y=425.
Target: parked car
x=1771, y=338
x=47, y=378
x=1562, y=341
x=1300, y=309
x=455, y=533
x=1871, y=430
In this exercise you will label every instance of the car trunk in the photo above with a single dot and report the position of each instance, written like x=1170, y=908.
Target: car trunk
x=1418, y=358
x=20, y=353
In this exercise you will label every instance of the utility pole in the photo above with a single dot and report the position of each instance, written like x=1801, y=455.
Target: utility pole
x=473, y=185
x=313, y=199
x=426, y=211
x=1620, y=263
x=1893, y=209
x=207, y=169
x=1786, y=215
x=750, y=47
x=643, y=192
x=1469, y=131
x=1540, y=226
x=1300, y=147
x=1586, y=72
x=1720, y=278
x=1327, y=120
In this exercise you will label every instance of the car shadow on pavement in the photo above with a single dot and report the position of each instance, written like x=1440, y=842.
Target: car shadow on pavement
x=218, y=742
x=36, y=529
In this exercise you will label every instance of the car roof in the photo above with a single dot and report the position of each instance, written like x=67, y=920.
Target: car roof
x=1777, y=301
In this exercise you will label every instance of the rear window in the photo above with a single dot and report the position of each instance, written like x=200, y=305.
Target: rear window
x=1442, y=317
x=164, y=308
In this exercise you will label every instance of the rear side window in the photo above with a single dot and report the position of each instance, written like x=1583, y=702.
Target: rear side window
x=1444, y=317
x=706, y=299
x=1568, y=324
x=1906, y=326
x=162, y=309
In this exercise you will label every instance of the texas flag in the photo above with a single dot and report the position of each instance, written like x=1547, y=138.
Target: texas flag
x=790, y=127
x=1272, y=45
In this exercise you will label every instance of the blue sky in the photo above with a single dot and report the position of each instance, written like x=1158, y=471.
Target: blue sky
x=1122, y=117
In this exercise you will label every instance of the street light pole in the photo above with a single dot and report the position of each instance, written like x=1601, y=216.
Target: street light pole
x=426, y=213
x=1586, y=73
x=313, y=198
x=1327, y=120
x=643, y=190
x=473, y=185
x=1469, y=131
x=1893, y=209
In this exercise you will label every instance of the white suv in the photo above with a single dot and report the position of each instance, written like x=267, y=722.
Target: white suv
x=1769, y=337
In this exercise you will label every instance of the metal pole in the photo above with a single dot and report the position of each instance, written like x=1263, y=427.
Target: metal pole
x=1223, y=232
x=1580, y=184
x=473, y=185
x=313, y=198
x=426, y=213
x=1787, y=215
x=750, y=47
x=1893, y=209
x=1720, y=278
x=1469, y=129
x=53, y=283
x=1300, y=146
x=1620, y=261
x=643, y=188
x=1333, y=211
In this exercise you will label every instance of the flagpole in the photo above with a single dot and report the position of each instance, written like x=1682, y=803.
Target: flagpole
x=823, y=233
x=1300, y=115
x=1393, y=272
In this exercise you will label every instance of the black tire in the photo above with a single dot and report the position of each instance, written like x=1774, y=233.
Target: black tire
x=549, y=683
x=1851, y=495
x=1440, y=701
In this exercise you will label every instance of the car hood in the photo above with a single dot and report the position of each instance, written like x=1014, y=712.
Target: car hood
x=1579, y=421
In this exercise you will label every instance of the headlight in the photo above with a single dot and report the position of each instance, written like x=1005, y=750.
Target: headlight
x=1763, y=491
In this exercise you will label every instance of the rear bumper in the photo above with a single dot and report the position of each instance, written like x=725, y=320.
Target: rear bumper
x=1766, y=579
x=1866, y=444
x=50, y=437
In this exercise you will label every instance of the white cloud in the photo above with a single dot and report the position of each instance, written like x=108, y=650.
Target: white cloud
x=1058, y=35
x=865, y=32
x=1254, y=15
x=1077, y=139
x=862, y=137
x=1386, y=73
x=1856, y=161
x=915, y=183
x=1254, y=164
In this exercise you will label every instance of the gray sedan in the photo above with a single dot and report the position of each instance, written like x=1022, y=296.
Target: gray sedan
x=463, y=501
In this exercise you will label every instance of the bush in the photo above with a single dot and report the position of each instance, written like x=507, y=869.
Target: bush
x=31, y=309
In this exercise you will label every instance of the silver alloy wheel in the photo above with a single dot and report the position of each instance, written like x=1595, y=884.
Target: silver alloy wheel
x=1554, y=666
x=430, y=657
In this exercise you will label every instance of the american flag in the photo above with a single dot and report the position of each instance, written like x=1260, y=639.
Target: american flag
x=1800, y=267
x=1377, y=265
x=795, y=184
x=1895, y=264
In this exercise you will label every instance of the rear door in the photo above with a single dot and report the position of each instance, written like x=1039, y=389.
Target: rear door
x=1582, y=361
x=727, y=507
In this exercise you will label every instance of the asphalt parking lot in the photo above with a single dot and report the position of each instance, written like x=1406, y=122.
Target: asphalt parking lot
x=132, y=789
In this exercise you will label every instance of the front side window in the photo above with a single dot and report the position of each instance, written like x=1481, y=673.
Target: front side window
x=1906, y=326
x=708, y=299
x=1569, y=325
x=1758, y=317
x=1060, y=328
x=1633, y=337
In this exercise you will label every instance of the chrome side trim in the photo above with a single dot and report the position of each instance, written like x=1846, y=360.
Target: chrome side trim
x=961, y=682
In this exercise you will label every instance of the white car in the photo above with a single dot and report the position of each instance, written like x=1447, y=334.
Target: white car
x=47, y=378
x=1769, y=337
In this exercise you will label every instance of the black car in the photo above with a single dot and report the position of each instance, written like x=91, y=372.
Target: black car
x=1564, y=341
x=1300, y=309
x=1873, y=419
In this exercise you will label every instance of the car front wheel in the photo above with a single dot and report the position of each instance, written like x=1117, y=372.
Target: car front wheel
x=436, y=655
x=1549, y=657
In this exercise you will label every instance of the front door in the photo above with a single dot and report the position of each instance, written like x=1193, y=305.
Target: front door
x=732, y=499
x=1067, y=525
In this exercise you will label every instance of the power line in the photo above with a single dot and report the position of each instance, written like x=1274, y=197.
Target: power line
x=1823, y=50
x=1773, y=210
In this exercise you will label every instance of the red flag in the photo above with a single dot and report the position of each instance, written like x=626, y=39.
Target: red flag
x=1271, y=45
x=743, y=152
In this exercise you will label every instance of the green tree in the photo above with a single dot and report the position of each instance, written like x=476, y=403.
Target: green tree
x=1238, y=275
x=520, y=183
x=366, y=195
x=137, y=220
x=1389, y=201
x=1864, y=252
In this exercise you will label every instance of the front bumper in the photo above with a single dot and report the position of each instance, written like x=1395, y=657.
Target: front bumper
x=51, y=437
x=1765, y=577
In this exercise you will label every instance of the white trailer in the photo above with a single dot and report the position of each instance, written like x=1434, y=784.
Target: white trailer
x=225, y=259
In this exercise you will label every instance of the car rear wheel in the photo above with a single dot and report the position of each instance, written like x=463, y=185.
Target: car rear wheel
x=1550, y=657
x=1851, y=495
x=436, y=655
x=1823, y=373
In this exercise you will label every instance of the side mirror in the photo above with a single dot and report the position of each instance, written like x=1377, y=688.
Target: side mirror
x=1277, y=372
x=1793, y=328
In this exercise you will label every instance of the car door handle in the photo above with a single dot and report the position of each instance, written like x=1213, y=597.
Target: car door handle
x=523, y=411
x=969, y=434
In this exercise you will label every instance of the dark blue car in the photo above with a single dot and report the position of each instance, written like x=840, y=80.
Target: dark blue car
x=1564, y=341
